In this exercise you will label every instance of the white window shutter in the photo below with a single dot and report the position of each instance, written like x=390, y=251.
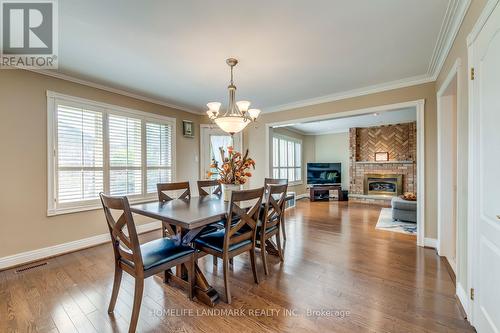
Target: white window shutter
x=158, y=154
x=79, y=154
x=125, y=155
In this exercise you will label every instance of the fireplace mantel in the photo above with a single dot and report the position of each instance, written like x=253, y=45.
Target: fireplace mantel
x=385, y=162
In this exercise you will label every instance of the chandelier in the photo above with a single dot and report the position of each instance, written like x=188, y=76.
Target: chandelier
x=237, y=115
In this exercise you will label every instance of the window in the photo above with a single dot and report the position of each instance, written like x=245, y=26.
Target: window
x=287, y=158
x=95, y=147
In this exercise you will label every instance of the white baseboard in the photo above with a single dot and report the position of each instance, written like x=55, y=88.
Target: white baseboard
x=463, y=298
x=430, y=242
x=302, y=196
x=51, y=251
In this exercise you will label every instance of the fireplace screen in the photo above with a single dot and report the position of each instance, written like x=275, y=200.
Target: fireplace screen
x=383, y=184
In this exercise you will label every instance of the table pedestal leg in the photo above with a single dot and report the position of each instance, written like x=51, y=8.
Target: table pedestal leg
x=204, y=291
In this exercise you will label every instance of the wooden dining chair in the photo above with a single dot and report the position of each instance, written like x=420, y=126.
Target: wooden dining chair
x=162, y=188
x=213, y=184
x=217, y=190
x=277, y=181
x=141, y=261
x=269, y=224
x=235, y=238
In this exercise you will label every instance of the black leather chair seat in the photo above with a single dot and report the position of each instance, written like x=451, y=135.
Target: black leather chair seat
x=160, y=251
x=215, y=241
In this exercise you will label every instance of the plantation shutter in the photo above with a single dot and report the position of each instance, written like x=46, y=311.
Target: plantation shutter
x=158, y=154
x=95, y=147
x=79, y=158
x=287, y=158
x=125, y=155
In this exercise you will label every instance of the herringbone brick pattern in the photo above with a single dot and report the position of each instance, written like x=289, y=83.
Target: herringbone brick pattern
x=394, y=139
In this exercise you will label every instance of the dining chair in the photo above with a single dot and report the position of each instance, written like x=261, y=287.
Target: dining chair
x=212, y=184
x=274, y=181
x=217, y=190
x=141, y=260
x=235, y=238
x=277, y=181
x=270, y=221
x=162, y=188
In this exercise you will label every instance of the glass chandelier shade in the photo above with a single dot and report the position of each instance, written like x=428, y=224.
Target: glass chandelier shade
x=238, y=115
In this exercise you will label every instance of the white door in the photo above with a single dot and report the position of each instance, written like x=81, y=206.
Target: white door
x=484, y=174
x=211, y=139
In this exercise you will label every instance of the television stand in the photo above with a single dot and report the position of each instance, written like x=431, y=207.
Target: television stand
x=322, y=192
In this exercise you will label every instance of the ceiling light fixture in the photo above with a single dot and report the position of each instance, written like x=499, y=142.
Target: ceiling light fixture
x=237, y=115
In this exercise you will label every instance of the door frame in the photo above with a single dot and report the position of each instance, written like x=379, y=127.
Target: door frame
x=472, y=241
x=420, y=109
x=443, y=237
x=212, y=126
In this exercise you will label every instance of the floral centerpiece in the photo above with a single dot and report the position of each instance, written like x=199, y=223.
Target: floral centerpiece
x=233, y=172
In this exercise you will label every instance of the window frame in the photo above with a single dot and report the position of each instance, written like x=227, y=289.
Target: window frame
x=271, y=164
x=53, y=99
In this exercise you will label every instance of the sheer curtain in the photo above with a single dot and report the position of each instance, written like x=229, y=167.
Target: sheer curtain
x=216, y=142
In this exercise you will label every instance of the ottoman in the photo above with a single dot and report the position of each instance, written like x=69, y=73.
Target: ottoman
x=404, y=210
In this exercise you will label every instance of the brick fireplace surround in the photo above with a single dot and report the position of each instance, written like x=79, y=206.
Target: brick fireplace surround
x=399, y=140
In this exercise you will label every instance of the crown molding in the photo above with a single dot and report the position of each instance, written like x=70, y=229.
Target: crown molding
x=340, y=131
x=453, y=18
x=483, y=17
x=411, y=81
x=122, y=92
x=454, y=15
x=294, y=130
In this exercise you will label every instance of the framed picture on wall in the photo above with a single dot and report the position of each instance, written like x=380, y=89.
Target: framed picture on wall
x=381, y=156
x=188, y=128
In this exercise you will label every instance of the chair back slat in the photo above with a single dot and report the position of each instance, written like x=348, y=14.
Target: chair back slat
x=125, y=245
x=275, y=206
x=217, y=189
x=275, y=181
x=246, y=227
x=163, y=187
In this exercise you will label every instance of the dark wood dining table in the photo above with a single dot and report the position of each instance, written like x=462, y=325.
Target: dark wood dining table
x=189, y=217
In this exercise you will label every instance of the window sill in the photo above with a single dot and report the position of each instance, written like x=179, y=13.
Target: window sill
x=96, y=206
x=297, y=183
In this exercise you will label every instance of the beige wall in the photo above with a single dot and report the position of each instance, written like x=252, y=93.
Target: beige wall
x=255, y=135
x=459, y=51
x=23, y=143
x=334, y=148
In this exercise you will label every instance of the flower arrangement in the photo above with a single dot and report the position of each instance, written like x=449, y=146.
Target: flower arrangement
x=235, y=167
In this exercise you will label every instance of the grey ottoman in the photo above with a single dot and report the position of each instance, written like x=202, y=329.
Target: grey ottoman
x=404, y=210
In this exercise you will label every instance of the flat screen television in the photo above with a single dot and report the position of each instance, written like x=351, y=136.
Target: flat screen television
x=324, y=173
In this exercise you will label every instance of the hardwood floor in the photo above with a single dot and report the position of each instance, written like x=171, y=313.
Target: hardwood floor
x=334, y=260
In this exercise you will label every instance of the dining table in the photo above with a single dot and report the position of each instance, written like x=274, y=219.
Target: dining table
x=188, y=217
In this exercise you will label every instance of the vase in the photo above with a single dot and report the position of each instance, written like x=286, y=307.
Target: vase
x=227, y=189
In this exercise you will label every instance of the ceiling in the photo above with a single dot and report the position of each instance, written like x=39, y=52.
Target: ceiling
x=174, y=51
x=342, y=125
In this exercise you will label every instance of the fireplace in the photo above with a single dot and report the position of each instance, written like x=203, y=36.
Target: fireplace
x=383, y=184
